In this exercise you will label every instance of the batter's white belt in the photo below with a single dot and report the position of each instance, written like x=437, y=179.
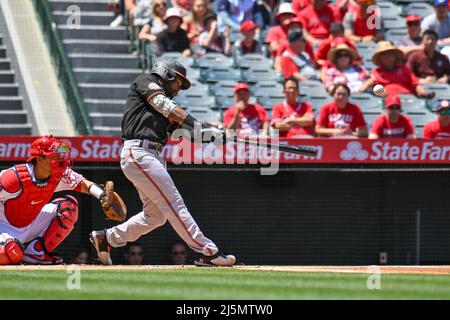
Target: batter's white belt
x=144, y=143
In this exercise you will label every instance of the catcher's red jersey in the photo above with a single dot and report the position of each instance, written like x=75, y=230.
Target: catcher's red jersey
x=24, y=197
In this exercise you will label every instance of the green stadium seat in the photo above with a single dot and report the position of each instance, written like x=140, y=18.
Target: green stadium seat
x=261, y=74
x=269, y=101
x=312, y=88
x=442, y=90
x=413, y=105
x=421, y=9
x=178, y=56
x=317, y=102
x=395, y=35
x=389, y=9
x=368, y=103
x=193, y=74
x=196, y=101
x=197, y=88
x=394, y=22
x=211, y=60
x=253, y=60
x=215, y=74
x=419, y=120
x=204, y=114
x=266, y=87
x=223, y=88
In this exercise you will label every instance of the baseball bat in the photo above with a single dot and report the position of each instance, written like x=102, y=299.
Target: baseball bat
x=302, y=150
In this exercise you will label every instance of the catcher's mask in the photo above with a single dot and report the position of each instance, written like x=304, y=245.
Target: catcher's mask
x=57, y=151
x=168, y=71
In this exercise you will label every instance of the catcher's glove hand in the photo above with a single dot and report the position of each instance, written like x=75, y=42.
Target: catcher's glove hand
x=112, y=203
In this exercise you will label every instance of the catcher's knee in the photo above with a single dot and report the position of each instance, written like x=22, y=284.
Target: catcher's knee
x=62, y=225
x=11, y=251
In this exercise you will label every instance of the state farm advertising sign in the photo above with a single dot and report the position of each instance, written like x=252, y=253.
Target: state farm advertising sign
x=107, y=149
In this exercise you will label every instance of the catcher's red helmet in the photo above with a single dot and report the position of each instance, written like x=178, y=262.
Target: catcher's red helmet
x=43, y=146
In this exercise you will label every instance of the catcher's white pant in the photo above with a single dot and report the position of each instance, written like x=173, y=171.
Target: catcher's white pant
x=35, y=229
x=161, y=202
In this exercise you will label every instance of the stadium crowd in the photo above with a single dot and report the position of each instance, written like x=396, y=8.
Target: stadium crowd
x=310, y=40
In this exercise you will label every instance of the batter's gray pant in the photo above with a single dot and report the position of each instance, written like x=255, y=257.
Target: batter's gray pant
x=161, y=202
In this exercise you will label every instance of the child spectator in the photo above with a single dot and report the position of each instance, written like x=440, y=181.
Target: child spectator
x=173, y=39
x=340, y=117
x=291, y=117
x=392, y=124
x=428, y=64
x=233, y=12
x=392, y=74
x=439, y=128
x=295, y=62
x=156, y=24
x=210, y=39
x=248, y=44
x=194, y=23
x=363, y=24
x=280, y=32
x=413, y=40
x=345, y=70
x=316, y=20
x=247, y=119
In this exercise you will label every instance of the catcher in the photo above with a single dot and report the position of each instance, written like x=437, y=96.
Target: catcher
x=31, y=227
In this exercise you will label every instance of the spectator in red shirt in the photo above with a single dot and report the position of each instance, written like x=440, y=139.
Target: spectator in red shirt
x=316, y=19
x=295, y=62
x=342, y=7
x=279, y=32
x=291, y=117
x=340, y=117
x=247, y=119
x=364, y=24
x=345, y=69
x=439, y=128
x=428, y=64
x=248, y=44
x=392, y=124
x=392, y=74
x=300, y=5
x=336, y=37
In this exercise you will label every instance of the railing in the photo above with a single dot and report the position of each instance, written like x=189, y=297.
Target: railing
x=63, y=69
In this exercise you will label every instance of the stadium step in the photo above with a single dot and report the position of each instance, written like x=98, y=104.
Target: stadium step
x=13, y=116
x=1, y=39
x=83, y=5
x=2, y=52
x=10, y=103
x=94, y=60
x=87, y=32
x=100, y=119
x=86, y=18
x=6, y=76
x=97, y=75
x=104, y=90
x=5, y=64
x=105, y=105
x=95, y=46
x=9, y=89
x=15, y=129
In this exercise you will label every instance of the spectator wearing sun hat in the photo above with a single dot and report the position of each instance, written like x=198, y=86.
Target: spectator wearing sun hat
x=248, y=44
x=393, y=74
x=392, y=124
x=278, y=33
x=244, y=117
x=439, y=128
x=173, y=38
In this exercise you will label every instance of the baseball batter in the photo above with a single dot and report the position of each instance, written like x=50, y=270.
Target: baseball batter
x=31, y=227
x=149, y=119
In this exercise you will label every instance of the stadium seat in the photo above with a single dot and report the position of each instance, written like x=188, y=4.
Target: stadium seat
x=317, y=102
x=421, y=9
x=261, y=74
x=370, y=117
x=389, y=9
x=204, y=114
x=264, y=88
x=366, y=49
x=368, y=103
x=196, y=101
x=413, y=105
x=442, y=90
x=419, y=120
x=223, y=88
x=235, y=35
x=312, y=88
x=215, y=74
x=193, y=74
x=394, y=22
x=225, y=102
x=210, y=60
x=253, y=60
x=177, y=56
x=269, y=101
x=197, y=88
x=395, y=35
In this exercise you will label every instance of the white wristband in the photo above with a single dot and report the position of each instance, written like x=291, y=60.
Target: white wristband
x=96, y=191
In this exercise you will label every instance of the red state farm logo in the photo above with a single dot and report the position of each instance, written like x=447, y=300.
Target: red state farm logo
x=354, y=151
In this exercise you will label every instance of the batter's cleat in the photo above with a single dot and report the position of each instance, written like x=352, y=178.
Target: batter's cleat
x=216, y=260
x=50, y=258
x=98, y=240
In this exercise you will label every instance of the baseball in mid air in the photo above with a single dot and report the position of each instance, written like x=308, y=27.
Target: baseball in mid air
x=378, y=90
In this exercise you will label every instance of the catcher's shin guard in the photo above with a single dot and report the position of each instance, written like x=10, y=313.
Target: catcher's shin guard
x=61, y=226
x=11, y=251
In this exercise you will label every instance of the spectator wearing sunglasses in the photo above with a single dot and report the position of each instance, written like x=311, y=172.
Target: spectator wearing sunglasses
x=392, y=124
x=178, y=253
x=134, y=256
x=439, y=128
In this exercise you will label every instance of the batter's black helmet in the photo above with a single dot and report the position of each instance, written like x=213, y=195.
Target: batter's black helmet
x=168, y=70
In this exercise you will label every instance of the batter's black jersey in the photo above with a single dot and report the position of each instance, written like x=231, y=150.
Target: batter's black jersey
x=141, y=120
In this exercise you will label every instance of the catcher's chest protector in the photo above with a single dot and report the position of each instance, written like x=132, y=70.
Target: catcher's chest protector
x=22, y=210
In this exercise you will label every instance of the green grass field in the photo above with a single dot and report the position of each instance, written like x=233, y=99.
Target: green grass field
x=220, y=283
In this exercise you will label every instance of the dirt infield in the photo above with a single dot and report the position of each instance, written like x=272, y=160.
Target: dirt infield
x=435, y=270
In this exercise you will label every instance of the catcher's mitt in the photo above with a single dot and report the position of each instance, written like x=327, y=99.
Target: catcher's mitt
x=112, y=203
